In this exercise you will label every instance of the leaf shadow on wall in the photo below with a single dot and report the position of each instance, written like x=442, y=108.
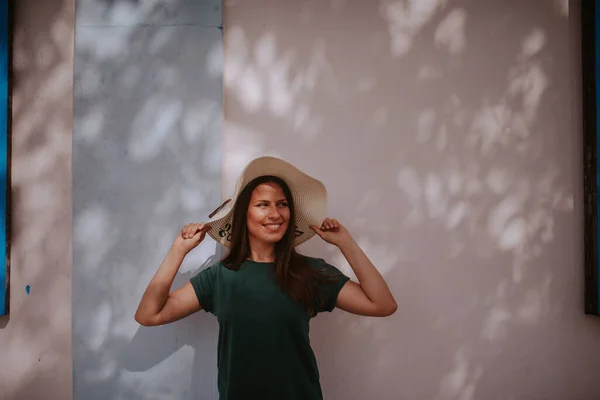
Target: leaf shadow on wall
x=38, y=334
x=439, y=129
x=146, y=161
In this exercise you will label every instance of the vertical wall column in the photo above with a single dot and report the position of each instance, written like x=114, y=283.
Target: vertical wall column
x=147, y=160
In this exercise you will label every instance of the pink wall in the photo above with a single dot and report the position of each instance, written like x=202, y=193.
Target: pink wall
x=35, y=343
x=449, y=137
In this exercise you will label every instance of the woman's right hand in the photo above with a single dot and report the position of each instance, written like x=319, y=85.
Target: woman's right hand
x=191, y=236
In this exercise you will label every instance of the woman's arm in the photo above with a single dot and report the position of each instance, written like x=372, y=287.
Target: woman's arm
x=371, y=296
x=158, y=305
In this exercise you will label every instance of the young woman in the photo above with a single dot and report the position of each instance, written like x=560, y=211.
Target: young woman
x=263, y=292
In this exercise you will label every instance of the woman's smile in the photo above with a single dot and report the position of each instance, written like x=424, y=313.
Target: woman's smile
x=272, y=227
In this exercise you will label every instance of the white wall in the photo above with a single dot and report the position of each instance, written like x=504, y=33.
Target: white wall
x=146, y=160
x=449, y=136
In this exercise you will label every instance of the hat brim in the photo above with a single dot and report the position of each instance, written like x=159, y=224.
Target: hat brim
x=309, y=194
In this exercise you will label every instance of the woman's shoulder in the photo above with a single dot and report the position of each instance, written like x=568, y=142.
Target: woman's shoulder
x=327, y=272
x=215, y=265
x=211, y=268
x=316, y=262
x=312, y=261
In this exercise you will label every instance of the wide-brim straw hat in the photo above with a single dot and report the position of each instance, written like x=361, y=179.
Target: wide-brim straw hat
x=309, y=195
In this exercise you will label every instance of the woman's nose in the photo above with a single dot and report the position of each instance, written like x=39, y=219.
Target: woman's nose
x=273, y=212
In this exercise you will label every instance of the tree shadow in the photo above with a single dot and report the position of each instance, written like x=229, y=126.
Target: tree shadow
x=441, y=132
x=146, y=161
x=36, y=341
x=150, y=347
x=460, y=192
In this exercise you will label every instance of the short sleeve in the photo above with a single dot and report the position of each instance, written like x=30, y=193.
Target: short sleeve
x=332, y=284
x=204, y=286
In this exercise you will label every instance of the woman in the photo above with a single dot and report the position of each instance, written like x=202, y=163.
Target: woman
x=263, y=292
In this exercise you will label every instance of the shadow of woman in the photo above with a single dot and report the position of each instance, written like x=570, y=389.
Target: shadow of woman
x=150, y=346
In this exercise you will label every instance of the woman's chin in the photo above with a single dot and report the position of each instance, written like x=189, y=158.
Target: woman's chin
x=274, y=239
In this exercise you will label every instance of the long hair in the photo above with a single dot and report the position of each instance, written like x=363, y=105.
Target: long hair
x=293, y=274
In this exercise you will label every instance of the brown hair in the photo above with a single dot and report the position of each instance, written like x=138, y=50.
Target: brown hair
x=293, y=274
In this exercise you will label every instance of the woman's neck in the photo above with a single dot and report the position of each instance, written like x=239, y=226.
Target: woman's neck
x=261, y=259
x=262, y=252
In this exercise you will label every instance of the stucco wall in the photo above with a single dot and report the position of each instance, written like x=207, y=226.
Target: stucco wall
x=448, y=134
x=35, y=340
x=147, y=160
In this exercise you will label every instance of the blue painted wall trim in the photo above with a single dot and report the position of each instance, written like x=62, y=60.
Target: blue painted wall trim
x=3, y=147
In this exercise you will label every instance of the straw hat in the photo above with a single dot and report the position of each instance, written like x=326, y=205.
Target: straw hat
x=310, y=199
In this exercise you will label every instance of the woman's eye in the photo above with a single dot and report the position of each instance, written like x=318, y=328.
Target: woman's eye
x=283, y=204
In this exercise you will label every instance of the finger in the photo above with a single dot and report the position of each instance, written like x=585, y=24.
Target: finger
x=191, y=231
x=317, y=230
x=198, y=236
x=196, y=228
x=335, y=223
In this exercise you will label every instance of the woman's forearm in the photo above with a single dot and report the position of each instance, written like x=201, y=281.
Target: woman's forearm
x=157, y=292
x=371, y=281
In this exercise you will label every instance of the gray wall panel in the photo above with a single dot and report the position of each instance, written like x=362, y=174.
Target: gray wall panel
x=146, y=160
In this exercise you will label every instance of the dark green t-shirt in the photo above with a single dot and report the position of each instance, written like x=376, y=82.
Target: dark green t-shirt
x=264, y=349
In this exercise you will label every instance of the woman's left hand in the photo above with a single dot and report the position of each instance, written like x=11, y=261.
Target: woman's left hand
x=332, y=232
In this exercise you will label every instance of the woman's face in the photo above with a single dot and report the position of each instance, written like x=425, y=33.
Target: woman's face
x=268, y=213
